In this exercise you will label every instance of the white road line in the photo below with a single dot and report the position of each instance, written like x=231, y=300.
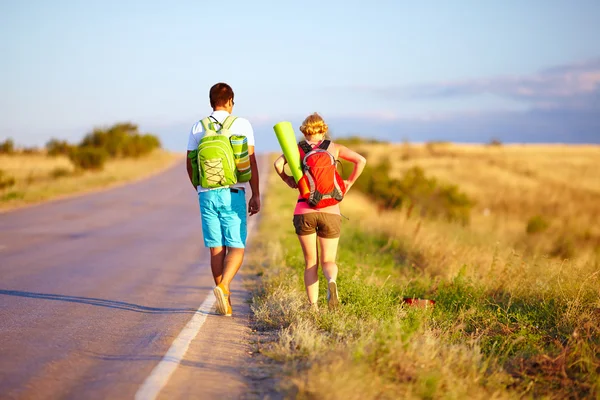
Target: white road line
x=160, y=375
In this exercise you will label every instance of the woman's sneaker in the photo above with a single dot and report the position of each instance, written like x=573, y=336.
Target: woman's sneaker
x=333, y=300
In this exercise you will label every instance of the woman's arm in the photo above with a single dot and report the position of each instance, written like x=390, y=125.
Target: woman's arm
x=279, y=165
x=359, y=163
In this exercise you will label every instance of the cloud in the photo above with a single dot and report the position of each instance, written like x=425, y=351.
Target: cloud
x=573, y=86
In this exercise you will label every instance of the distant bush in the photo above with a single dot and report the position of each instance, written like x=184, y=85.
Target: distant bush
x=436, y=199
x=376, y=181
x=56, y=147
x=495, y=142
x=88, y=158
x=5, y=180
x=111, y=139
x=60, y=172
x=121, y=140
x=14, y=195
x=438, y=148
x=7, y=147
x=30, y=150
x=354, y=140
x=536, y=224
x=139, y=145
x=414, y=189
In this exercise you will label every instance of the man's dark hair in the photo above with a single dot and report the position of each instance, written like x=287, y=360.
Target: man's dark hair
x=220, y=94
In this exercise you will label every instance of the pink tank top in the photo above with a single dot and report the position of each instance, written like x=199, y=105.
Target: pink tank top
x=303, y=207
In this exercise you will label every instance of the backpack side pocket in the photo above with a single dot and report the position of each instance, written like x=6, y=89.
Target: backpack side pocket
x=193, y=156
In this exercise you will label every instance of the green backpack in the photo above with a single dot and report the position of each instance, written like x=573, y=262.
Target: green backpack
x=216, y=164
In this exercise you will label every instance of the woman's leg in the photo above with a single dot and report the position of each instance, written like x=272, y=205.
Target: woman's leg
x=330, y=269
x=311, y=275
x=328, y=254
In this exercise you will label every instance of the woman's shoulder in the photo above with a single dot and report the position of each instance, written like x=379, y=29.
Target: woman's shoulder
x=334, y=148
x=336, y=144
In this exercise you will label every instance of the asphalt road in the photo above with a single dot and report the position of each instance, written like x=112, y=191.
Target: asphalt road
x=94, y=291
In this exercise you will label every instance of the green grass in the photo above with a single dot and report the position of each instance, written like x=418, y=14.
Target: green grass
x=482, y=339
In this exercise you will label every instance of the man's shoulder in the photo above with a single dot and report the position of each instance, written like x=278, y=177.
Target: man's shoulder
x=241, y=121
x=197, y=127
x=241, y=126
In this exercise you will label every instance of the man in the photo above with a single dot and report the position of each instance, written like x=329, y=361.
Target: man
x=223, y=210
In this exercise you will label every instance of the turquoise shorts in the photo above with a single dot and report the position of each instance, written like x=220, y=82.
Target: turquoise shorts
x=223, y=213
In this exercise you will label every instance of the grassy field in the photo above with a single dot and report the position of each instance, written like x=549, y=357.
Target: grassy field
x=514, y=317
x=513, y=183
x=38, y=177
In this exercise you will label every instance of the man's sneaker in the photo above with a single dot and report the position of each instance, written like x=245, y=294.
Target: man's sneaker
x=332, y=295
x=222, y=299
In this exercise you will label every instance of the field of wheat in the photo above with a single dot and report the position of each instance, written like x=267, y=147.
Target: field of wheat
x=517, y=311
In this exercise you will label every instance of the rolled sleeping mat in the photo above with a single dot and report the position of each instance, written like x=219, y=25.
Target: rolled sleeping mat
x=241, y=157
x=287, y=141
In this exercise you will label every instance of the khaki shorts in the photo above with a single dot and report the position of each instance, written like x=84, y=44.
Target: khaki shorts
x=326, y=225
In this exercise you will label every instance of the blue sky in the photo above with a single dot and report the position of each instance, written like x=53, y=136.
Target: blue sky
x=453, y=70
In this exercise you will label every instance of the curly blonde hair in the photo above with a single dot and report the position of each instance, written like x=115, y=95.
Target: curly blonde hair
x=314, y=125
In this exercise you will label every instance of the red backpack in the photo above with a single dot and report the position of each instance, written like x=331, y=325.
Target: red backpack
x=326, y=186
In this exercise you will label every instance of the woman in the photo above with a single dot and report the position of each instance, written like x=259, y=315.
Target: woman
x=320, y=226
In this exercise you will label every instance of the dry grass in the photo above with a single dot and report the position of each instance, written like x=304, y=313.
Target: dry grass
x=510, y=321
x=39, y=177
x=513, y=183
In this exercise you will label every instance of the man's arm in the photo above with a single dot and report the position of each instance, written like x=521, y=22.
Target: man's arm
x=254, y=203
x=188, y=164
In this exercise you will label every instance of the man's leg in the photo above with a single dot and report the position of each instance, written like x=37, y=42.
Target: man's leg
x=217, y=263
x=211, y=231
x=213, y=239
x=233, y=225
x=232, y=264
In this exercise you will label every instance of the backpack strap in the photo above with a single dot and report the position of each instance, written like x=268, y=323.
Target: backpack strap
x=325, y=144
x=209, y=123
x=216, y=122
x=305, y=147
x=206, y=124
x=228, y=122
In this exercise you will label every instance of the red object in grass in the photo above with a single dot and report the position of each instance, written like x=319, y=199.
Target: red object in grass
x=420, y=303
